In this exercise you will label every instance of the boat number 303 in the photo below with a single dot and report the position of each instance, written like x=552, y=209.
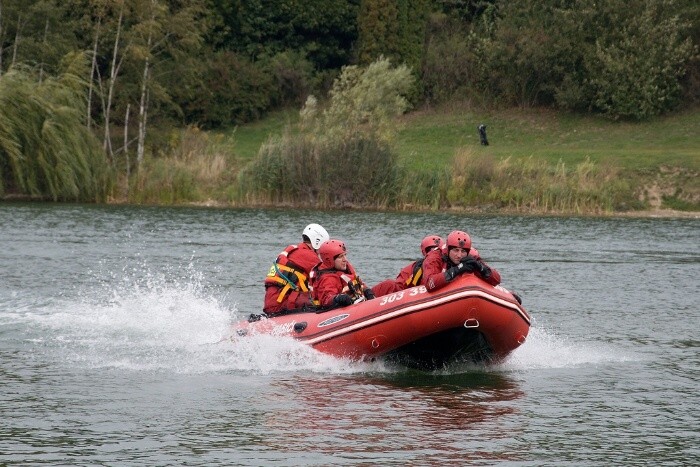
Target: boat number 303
x=399, y=295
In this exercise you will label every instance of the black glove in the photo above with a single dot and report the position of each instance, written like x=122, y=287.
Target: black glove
x=342, y=299
x=470, y=264
x=369, y=295
x=454, y=271
x=484, y=270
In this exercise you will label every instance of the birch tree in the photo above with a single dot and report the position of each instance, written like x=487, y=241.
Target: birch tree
x=117, y=57
x=2, y=36
x=162, y=36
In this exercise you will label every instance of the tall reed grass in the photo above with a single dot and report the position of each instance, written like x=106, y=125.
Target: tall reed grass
x=533, y=185
x=192, y=168
x=342, y=154
x=302, y=170
x=361, y=173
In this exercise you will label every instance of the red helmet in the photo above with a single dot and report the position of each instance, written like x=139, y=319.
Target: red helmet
x=458, y=239
x=430, y=242
x=329, y=250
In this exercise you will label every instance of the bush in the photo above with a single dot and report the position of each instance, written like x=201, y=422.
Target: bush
x=298, y=170
x=231, y=91
x=340, y=155
x=452, y=67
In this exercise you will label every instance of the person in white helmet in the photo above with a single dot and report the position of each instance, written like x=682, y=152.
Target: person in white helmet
x=287, y=282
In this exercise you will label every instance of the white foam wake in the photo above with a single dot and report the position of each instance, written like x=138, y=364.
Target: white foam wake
x=153, y=325
x=545, y=349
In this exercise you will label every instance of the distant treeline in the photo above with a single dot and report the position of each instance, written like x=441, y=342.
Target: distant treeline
x=225, y=62
x=133, y=65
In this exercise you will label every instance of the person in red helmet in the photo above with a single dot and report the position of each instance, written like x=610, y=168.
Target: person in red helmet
x=456, y=257
x=334, y=281
x=430, y=242
x=412, y=274
x=287, y=282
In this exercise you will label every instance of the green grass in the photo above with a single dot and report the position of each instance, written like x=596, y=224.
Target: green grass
x=430, y=139
x=248, y=138
x=537, y=161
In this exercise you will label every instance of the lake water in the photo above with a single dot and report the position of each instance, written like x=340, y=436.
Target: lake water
x=111, y=320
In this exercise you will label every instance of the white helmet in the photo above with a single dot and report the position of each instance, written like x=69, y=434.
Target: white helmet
x=316, y=235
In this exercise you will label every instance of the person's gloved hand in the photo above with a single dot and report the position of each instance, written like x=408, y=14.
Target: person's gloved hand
x=483, y=270
x=455, y=271
x=369, y=295
x=470, y=264
x=342, y=299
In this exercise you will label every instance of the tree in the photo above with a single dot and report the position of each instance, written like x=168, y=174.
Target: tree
x=322, y=30
x=622, y=58
x=526, y=52
x=37, y=34
x=453, y=66
x=631, y=59
x=45, y=150
x=162, y=36
x=394, y=29
x=378, y=27
x=139, y=48
x=342, y=153
x=466, y=11
x=117, y=58
x=362, y=100
x=689, y=15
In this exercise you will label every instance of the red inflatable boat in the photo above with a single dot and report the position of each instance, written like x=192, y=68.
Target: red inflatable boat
x=467, y=320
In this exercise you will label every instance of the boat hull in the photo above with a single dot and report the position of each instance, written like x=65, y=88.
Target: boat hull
x=466, y=320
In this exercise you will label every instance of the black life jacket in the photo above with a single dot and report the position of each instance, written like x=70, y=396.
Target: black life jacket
x=416, y=275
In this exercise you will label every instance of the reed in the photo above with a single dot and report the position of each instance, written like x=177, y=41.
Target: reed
x=301, y=170
x=360, y=174
x=582, y=166
x=541, y=161
x=194, y=167
x=533, y=185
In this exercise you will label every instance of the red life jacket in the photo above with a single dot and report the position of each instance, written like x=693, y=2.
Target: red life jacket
x=287, y=275
x=351, y=281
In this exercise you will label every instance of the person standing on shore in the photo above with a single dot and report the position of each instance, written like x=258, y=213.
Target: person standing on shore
x=482, y=135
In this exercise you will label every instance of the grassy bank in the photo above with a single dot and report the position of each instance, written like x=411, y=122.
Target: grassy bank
x=671, y=141
x=430, y=138
x=537, y=161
